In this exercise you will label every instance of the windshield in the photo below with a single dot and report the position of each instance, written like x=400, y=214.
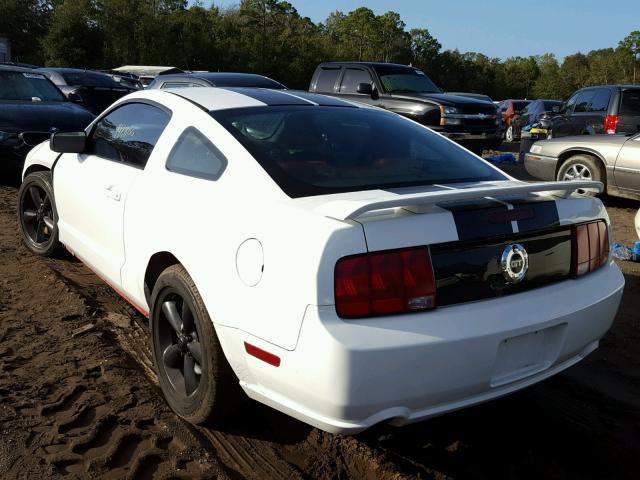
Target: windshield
x=88, y=79
x=518, y=106
x=405, y=80
x=321, y=150
x=28, y=87
x=548, y=106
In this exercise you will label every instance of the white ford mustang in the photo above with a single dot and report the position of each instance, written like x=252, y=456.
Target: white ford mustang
x=340, y=263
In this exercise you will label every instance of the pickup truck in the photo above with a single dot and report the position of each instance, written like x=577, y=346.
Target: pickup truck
x=408, y=91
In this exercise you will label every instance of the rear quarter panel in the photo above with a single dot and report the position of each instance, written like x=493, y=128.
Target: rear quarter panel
x=203, y=223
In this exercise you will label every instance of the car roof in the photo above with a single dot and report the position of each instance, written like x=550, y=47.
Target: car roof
x=222, y=78
x=370, y=64
x=611, y=87
x=13, y=68
x=222, y=98
x=70, y=70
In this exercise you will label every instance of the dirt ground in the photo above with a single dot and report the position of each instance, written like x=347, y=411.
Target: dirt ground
x=86, y=404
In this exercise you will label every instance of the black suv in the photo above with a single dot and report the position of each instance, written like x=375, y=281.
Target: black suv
x=601, y=109
x=409, y=92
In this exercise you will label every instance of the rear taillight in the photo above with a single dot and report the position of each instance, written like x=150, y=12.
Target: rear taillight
x=591, y=247
x=611, y=124
x=384, y=283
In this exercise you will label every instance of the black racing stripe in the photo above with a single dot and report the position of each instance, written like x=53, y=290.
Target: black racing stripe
x=487, y=218
x=323, y=100
x=481, y=218
x=539, y=213
x=270, y=97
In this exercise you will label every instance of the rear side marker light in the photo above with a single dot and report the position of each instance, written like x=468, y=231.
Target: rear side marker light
x=384, y=283
x=611, y=124
x=261, y=354
x=591, y=247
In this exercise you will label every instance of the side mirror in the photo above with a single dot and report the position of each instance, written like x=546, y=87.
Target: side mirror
x=75, y=97
x=68, y=142
x=365, y=89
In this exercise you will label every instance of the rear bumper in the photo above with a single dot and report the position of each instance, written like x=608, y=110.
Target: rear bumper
x=540, y=166
x=345, y=376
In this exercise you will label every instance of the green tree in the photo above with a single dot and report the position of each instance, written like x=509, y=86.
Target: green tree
x=631, y=45
x=425, y=49
x=74, y=39
x=25, y=22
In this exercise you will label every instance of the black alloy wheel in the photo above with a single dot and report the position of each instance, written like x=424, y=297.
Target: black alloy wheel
x=37, y=214
x=195, y=377
x=178, y=340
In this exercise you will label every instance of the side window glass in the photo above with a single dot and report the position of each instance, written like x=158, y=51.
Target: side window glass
x=352, y=77
x=570, y=105
x=583, y=101
x=195, y=155
x=327, y=79
x=600, y=101
x=129, y=134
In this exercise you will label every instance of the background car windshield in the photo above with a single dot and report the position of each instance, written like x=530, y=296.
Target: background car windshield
x=518, y=106
x=405, y=80
x=88, y=79
x=28, y=87
x=322, y=150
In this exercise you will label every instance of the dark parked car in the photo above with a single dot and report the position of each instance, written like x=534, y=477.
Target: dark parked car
x=530, y=114
x=127, y=80
x=31, y=108
x=215, y=79
x=601, y=109
x=93, y=90
x=410, y=92
x=508, y=109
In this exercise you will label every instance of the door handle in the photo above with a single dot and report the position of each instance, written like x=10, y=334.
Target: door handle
x=112, y=193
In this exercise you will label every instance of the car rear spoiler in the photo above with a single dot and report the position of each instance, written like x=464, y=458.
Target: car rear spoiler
x=352, y=209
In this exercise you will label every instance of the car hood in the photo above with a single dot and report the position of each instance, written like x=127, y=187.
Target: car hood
x=43, y=116
x=447, y=100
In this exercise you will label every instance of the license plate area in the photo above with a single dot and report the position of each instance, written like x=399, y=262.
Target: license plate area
x=524, y=355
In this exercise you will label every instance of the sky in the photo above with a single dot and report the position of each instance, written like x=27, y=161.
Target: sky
x=501, y=28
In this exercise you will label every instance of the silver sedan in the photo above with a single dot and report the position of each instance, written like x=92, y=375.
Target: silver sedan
x=611, y=159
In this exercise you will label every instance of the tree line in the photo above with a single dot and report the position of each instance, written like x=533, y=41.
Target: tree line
x=270, y=37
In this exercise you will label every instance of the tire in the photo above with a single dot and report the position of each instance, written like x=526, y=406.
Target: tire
x=176, y=354
x=508, y=135
x=37, y=214
x=581, y=167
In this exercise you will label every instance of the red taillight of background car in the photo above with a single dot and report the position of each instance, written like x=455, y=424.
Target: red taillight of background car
x=611, y=124
x=384, y=283
x=591, y=247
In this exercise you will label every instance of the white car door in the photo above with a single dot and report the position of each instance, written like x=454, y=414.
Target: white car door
x=91, y=188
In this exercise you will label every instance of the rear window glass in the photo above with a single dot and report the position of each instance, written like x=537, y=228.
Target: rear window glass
x=321, y=150
x=28, y=87
x=88, y=79
x=630, y=104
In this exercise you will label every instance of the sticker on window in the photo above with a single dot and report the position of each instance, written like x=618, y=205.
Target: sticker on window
x=34, y=75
